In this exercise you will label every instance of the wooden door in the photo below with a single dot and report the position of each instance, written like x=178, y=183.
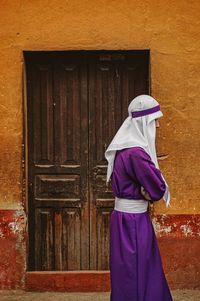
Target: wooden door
x=115, y=78
x=76, y=101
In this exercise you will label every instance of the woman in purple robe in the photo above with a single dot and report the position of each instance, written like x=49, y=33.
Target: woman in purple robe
x=136, y=269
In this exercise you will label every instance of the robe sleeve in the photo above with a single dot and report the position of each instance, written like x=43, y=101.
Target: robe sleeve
x=142, y=168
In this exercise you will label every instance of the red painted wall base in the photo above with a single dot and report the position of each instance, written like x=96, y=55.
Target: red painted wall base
x=178, y=238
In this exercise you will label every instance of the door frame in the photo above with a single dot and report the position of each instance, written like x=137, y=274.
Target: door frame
x=76, y=281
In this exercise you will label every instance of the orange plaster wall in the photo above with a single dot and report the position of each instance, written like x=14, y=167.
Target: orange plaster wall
x=170, y=29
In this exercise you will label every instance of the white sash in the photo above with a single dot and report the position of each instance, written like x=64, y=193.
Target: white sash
x=130, y=205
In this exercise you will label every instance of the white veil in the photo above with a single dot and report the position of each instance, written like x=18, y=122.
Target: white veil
x=137, y=131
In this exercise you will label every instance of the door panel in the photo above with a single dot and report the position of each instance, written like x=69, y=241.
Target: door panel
x=58, y=162
x=76, y=101
x=114, y=80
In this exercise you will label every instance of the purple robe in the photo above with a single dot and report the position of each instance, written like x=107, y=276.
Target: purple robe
x=135, y=263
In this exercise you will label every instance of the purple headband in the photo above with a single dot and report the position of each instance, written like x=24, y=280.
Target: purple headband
x=145, y=112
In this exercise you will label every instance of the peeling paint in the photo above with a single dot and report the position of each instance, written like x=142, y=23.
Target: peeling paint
x=14, y=227
x=186, y=230
x=177, y=225
x=12, y=238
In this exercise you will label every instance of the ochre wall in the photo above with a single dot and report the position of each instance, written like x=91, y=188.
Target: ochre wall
x=170, y=29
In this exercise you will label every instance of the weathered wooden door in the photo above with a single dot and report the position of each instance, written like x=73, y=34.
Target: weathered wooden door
x=76, y=101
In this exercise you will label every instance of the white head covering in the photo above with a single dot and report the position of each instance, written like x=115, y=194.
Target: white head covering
x=138, y=131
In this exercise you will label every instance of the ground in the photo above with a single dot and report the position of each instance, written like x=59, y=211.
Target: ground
x=179, y=295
